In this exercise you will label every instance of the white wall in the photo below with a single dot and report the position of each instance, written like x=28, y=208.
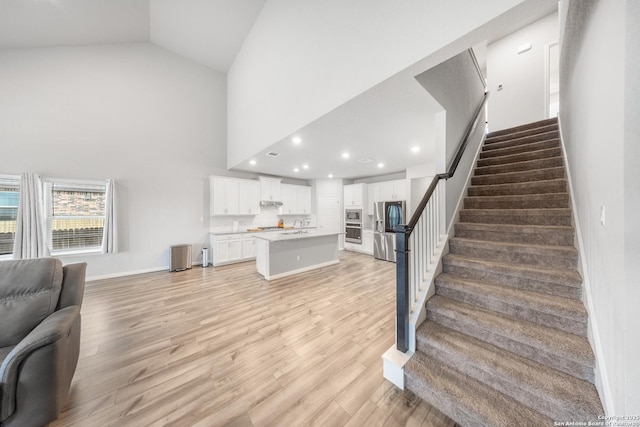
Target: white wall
x=303, y=59
x=153, y=121
x=522, y=76
x=599, y=94
x=457, y=86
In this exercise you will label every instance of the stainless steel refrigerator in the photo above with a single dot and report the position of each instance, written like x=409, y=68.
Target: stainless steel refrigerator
x=386, y=216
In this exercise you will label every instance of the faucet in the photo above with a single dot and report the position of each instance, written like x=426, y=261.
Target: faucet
x=296, y=221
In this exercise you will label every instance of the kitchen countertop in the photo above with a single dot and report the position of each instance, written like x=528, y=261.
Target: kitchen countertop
x=294, y=234
x=256, y=230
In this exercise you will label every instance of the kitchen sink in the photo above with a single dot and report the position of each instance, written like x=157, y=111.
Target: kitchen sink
x=295, y=232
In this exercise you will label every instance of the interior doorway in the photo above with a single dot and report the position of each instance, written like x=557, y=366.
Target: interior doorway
x=552, y=78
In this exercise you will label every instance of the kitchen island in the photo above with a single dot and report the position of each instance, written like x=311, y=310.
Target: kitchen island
x=284, y=253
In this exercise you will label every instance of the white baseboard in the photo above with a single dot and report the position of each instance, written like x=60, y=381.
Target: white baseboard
x=135, y=272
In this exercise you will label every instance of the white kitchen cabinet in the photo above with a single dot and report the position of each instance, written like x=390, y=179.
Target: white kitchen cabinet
x=234, y=196
x=249, y=197
x=248, y=247
x=224, y=196
x=367, y=241
x=232, y=248
x=270, y=189
x=373, y=196
x=354, y=195
x=393, y=190
x=304, y=199
x=296, y=199
x=227, y=248
x=289, y=199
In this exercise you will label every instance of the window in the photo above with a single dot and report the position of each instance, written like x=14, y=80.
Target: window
x=9, y=195
x=75, y=216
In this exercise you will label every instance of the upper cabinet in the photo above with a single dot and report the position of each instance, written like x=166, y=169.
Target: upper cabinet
x=296, y=199
x=233, y=196
x=393, y=190
x=224, y=196
x=355, y=195
x=270, y=189
x=249, y=195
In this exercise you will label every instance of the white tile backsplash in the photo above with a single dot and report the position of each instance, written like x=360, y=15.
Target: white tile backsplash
x=268, y=217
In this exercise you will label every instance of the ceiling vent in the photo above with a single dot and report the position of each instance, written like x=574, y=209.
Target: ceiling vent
x=272, y=154
x=365, y=160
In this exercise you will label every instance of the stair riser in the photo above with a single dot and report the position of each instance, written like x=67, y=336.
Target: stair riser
x=518, y=390
x=518, y=202
x=526, y=283
x=520, y=157
x=573, y=326
x=529, y=128
x=513, y=140
x=505, y=255
x=520, y=167
x=486, y=217
x=539, y=187
x=553, y=239
x=518, y=177
x=520, y=148
x=461, y=323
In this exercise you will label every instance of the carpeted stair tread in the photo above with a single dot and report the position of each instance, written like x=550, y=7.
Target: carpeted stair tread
x=518, y=201
x=560, y=350
x=528, y=165
x=519, y=176
x=554, y=217
x=549, y=391
x=534, y=127
x=553, y=281
x=541, y=255
x=565, y=314
x=531, y=187
x=520, y=157
x=465, y=400
x=507, y=149
x=516, y=140
x=557, y=235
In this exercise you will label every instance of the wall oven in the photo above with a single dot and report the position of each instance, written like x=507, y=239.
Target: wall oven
x=353, y=232
x=353, y=225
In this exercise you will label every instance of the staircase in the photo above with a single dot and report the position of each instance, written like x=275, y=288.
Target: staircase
x=505, y=341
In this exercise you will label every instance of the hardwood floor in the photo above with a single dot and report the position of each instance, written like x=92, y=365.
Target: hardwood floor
x=221, y=346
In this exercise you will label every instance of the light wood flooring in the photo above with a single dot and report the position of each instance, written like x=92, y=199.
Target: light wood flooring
x=222, y=346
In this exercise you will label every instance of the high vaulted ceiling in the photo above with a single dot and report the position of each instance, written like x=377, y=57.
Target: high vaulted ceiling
x=380, y=126
x=210, y=32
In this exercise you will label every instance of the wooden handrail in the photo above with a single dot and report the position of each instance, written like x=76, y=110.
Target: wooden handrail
x=452, y=167
x=403, y=232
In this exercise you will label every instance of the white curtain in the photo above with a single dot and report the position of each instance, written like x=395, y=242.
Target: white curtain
x=109, y=236
x=30, y=239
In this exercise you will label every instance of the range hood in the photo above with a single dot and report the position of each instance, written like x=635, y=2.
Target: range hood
x=265, y=203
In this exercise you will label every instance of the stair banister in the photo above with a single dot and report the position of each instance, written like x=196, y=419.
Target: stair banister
x=426, y=221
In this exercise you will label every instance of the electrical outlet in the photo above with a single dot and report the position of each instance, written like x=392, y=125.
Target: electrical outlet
x=297, y=257
x=603, y=216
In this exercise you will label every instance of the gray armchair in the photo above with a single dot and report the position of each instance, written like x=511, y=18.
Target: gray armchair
x=40, y=304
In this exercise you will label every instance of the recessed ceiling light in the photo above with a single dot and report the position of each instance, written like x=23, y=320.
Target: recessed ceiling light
x=415, y=149
x=296, y=170
x=252, y=162
x=305, y=166
x=380, y=165
x=345, y=155
x=330, y=175
x=296, y=140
